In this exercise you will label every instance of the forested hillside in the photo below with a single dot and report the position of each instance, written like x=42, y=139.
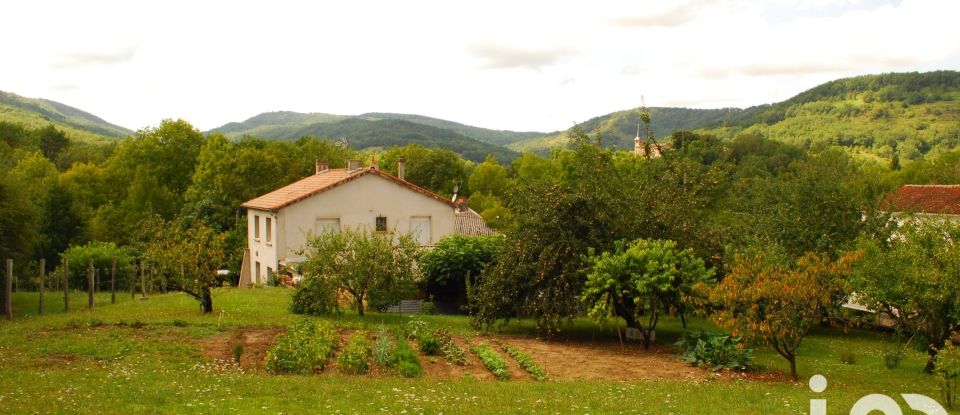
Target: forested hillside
x=282, y=124
x=618, y=129
x=34, y=113
x=904, y=115
x=899, y=115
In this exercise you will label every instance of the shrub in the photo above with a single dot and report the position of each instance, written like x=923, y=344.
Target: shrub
x=315, y=296
x=449, y=349
x=303, y=349
x=383, y=348
x=948, y=370
x=405, y=360
x=353, y=359
x=447, y=266
x=428, y=308
x=716, y=351
x=416, y=328
x=525, y=361
x=428, y=344
x=492, y=360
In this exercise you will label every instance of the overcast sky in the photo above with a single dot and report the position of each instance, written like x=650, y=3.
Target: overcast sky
x=506, y=65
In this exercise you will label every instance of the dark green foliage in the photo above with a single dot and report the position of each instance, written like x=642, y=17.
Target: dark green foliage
x=103, y=254
x=52, y=142
x=428, y=344
x=636, y=281
x=715, y=350
x=446, y=267
x=237, y=351
x=303, y=349
x=492, y=360
x=526, y=362
x=355, y=355
x=539, y=272
x=436, y=169
x=405, y=361
x=315, y=296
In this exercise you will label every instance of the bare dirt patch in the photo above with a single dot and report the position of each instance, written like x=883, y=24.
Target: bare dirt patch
x=560, y=359
x=255, y=342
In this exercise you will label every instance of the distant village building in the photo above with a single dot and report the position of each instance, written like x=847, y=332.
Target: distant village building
x=914, y=204
x=642, y=149
x=355, y=197
x=925, y=201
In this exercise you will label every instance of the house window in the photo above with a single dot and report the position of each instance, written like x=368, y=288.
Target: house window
x=257, y=272
x=269, y=230
x=381, y=223
x=256, y=227
x=326, y=225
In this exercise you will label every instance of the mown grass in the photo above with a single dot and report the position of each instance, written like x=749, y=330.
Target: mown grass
x=132, y=358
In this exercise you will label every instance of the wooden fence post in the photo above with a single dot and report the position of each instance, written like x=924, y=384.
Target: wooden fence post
x=66, y=285
x=43, y=272
x=143, y=281
x=131, y=281
x=90, y=284
x=113, y=282
x=8, y=291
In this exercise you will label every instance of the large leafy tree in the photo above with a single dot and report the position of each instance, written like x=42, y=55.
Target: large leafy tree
x=539, y=274
x=374, y=267
x=912, y=277
x=768, y=298
x=437, y=169
x=186, y=257
x=636, y=282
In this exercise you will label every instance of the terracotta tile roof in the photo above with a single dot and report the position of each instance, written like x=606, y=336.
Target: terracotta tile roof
x=317, y=183
x=939, y=199
x=470, y=223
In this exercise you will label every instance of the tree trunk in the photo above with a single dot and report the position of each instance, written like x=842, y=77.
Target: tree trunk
x=931, y=362
x=792, y=358
x=359, y=300
x=206, y=300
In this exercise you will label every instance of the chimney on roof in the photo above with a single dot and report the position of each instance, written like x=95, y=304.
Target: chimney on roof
x=322, y=166
x=461, y=204
x=402, y=168
x=354, y=165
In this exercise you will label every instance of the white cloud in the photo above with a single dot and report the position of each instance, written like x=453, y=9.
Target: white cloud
x=498, y=64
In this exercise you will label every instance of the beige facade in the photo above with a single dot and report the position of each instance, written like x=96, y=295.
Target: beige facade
x=357, y=201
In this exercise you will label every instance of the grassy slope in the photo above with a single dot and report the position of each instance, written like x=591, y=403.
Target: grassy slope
x=73, y=367
x=36, y=113
x=498, y=137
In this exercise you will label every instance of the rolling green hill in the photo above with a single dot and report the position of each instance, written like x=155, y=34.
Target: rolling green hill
x=877, y=116
x=77, y=124
x=281, y=124
x=903, y=114
x=361, y=133
x=620, y=128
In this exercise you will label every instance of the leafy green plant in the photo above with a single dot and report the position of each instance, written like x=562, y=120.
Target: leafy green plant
x=525, y=361
x=428, y=308
x=405, y=360
x=237, y=352
x=428, y=344
x=383, y=348
x=948, y=371
x=415, y=328
x=716, y=351
x=315, y=296
x=492, y=360
x=303, y=349
x=355, y=355
x=448, y=348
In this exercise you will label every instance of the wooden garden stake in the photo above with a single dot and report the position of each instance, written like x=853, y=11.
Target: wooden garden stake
x=90, y=284
x=8, y=291
x=66, y=285
x=43, y=271
x=113, y=282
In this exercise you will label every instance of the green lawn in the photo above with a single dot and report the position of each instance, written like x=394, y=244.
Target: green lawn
x=140, y=356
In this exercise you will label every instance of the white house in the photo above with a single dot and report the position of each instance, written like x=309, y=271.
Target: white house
x=278, y=222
